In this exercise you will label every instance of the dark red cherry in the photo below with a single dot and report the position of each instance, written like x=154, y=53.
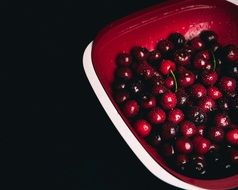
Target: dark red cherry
x=145, y=70
x=176, y=116
x=169, y=82
x=201, y=145
x=208, y=37
x=227, y=84
x=155, y=139
x=124, y=73
x=136, y=87
x=167, y=150
x=214, y=93
x=200, y=63
x=187, y=129
x=119, y=85
x=159, y=89
x=201, y=129
x=230, y=53
x=166, y=66
x=186, y=79
x=209, y=78
x=216, y=134
x=197, y=43
x=232, y=137
x=168, y=100
x=223, y=104
x=177, y=39
x=184, y=145
x=131, y=108
x=182, y=161
x=156, y=116
x=142, y=128
x=154, y=58
x=168, y=131
x=197, y=115
x=148, y=102
x=124, y=59
x=222, y=120
x=139, y=53
x=182, y=98
x=198, y=91
x=166, y=47
x=207, y=104
x=234, y=156
x=121, y=97
x=182, y=57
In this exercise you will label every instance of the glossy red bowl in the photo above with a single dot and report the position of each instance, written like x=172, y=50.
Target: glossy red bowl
x=146, y=28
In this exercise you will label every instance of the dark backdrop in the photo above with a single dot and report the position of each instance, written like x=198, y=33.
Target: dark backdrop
x=59, y=136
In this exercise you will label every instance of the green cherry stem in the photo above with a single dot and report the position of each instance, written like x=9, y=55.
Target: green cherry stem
x=214, y=61
x=175, y=81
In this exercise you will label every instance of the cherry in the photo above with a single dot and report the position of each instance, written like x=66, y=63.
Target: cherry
x=168, y=131
x=223, y=104
x=142, y=127
x=201, y=129
x=197, y=115
x=182, y=98
x=227, y=84
x=200, y=63
x=216, y=134
x=131, y=108
x=230, y=53
x=124, y=59
x=184, y=145
x=209, y=78
x=169, y=82
x=148, y=102
x=208, y=37
x=121, y=97
x=136, y=87
x=167, y=150
x=197, y=43
x=182, y=57
x=124, y=73
x=155, y=139
x=201, y=145
x=177, y=39
x=188, y=129
x=234, y=156
x=222, y=120
x=186, y=79
x=232, y=136
x=214, y=93
x=182, y=161
x=139, y=53
x=166, y=47
x=207, y=104
x=159, y=89
x=145, y=70
x=119, y=85
x=198, y=91
x=156, y=116
x=168, y=100
x=176, y=116
x=154, y=58
x=166, y=66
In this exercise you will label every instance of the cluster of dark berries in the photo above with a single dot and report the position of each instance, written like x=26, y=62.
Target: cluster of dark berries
x=181, y=97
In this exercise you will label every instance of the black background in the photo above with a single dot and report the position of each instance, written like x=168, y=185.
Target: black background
x=54, y=132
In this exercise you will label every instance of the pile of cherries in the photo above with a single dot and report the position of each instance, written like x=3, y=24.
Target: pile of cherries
x=182, y=98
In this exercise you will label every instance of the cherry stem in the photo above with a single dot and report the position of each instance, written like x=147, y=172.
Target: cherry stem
x=214, y=61
x=175, y=81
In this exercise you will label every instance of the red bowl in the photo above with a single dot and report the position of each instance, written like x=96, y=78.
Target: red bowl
x=146, y=28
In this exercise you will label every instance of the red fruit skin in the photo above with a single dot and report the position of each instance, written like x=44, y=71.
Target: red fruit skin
x=169, y=82
x=201, y=145
x=156, y=116
x=184, y=146
x=232, y=137
x=121, y=97
x=188, y=129
x=209, y=78
x=197, y=43
x=222, y=120
x=168, y=131
x=228, y=84
x=234, y=156
x=214, y=93
x=166, y=66
x=168, y=100
x=124, y=59
x=145, y=70
x=167, y=150
x=186, y=79
x=142, y=128
x=198, y=91
x=176, y=116
x=124, y=73
x=216, y=134
x=200, y=129
x=159, y=89
x=150, y=103
x=207, y=104
x=131, y=108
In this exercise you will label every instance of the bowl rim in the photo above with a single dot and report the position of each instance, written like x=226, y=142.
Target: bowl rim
x=123, y=129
